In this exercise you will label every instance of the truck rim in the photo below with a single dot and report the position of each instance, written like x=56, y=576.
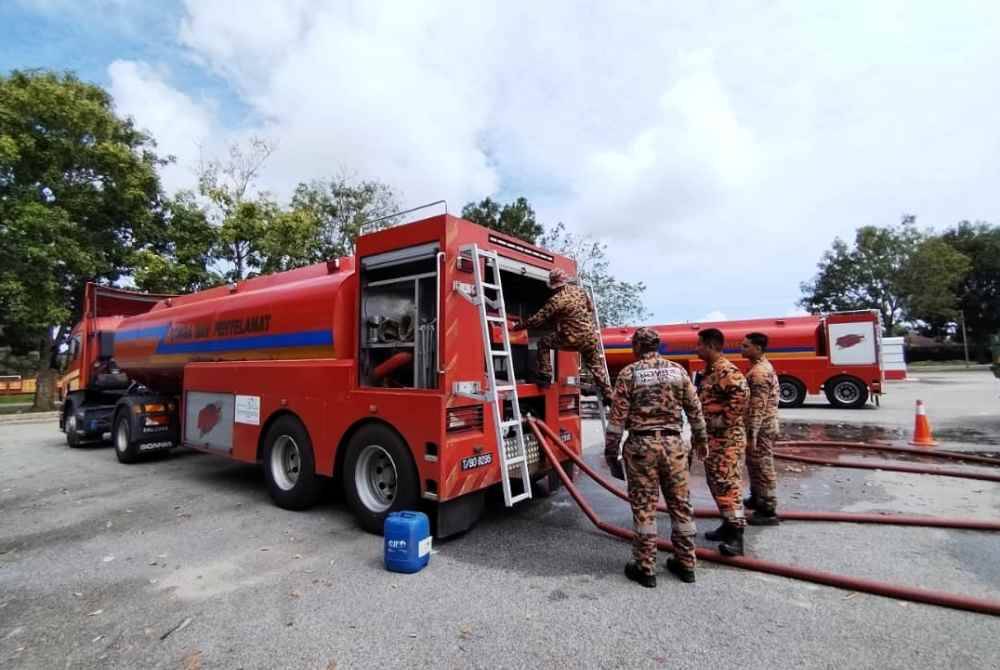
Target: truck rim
x=121, y=436
x=286, y=462
x=375, y=478
x=789, y=392
x=71, y=425
x=846, y=392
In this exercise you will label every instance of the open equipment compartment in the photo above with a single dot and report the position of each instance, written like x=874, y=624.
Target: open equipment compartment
x=399, y=317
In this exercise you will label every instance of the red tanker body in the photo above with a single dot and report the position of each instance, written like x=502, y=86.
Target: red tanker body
x=837, y=353
x=370, y=369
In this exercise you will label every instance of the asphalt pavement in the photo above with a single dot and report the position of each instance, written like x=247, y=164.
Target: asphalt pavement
x=183, y=562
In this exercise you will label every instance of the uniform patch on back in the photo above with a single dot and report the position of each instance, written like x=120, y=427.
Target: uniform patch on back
x=651, y=376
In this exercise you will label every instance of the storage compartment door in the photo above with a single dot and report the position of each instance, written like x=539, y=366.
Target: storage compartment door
x=208, y=420
x=853, y=343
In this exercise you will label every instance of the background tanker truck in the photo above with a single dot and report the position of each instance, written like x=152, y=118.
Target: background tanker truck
x=392, y=371
x=838, y=354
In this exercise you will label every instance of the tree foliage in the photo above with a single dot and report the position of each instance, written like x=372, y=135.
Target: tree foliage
x=178, y=259
x=78, y=187
x=979, y=287
x=340, y=208
x=516, y=218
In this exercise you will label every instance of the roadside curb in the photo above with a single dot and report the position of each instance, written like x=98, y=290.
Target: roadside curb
x=28, y=417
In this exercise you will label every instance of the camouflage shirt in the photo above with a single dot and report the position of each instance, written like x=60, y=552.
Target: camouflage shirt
x=650, y=394
x=724, y=396
x=762, y=414
x=567, y=312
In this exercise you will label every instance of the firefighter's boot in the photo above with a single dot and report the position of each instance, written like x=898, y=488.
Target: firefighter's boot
x=686, y=575
x=717, y=535
x=543, y=381
x=633, y=572
x=732, y=545
x=764, y=516
x=750, y=502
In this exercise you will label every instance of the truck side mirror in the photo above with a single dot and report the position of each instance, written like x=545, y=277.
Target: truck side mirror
x=105, y=344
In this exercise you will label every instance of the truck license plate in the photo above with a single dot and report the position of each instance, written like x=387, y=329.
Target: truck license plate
x=479, y=461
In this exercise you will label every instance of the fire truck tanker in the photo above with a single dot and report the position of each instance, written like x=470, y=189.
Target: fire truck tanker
x=392, y=371
x=838, y=353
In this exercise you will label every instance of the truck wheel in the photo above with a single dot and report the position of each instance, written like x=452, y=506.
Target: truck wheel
x=290, y=466
x=791, y=392
x=379, y=476
x=70, y=425
x=126, y=450
x=549, y=484
x=846, y=392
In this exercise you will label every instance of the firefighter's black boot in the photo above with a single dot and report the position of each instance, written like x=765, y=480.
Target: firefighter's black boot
x=733, y=544
x=719, y=534
x=764, y=516
x=679, y=571
x=633, y=572
x=750, y=502
x=542, y=380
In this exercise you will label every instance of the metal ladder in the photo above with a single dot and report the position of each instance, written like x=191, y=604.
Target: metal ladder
x=498, y=388
x=600, y=349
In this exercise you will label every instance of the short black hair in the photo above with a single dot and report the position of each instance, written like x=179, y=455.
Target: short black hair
x=758, y=340
x=712, y=337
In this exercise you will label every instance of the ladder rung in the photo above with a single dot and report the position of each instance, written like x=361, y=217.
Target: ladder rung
x=519, y=497
x=496, y=319
x=516, y=460
x=505, y=387
x=508, y=423
x=495, y=287
x=497, y=352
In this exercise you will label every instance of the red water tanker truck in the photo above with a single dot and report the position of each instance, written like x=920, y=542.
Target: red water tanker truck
x=370, y=369
x=838, y=354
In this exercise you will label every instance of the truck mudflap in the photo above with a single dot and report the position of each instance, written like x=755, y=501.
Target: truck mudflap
x=144, y=424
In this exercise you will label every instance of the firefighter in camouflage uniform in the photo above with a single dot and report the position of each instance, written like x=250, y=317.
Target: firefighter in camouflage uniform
x=569, y=314
x=650, y=395
x=762, y=431
x=724, y=397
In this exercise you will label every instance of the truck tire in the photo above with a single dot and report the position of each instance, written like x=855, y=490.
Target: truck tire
x=846, y=392
x=126, y=449
x=379, y=476
x=791, y=392
x=549, y=484
x=69, y=424
x=290, y=465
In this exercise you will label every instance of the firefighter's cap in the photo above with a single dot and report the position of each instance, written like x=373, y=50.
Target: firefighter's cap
x=646, y=339
x=558, y=278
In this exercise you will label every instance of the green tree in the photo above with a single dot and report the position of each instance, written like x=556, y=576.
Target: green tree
x=341, y=207
x=237, y=208
x=516, y=218
x=618, y=302
x=291, y=239
x=868, y=275
x=178, y=258
x=930, y=281
x=78, y=185
x=979, y=289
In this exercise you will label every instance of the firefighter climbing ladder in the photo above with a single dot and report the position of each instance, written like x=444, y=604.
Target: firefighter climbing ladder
x=499, y=389
x=604, y=361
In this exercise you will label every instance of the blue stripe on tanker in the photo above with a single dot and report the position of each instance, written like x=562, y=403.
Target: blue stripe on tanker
x=309, y=338
x=158, y=332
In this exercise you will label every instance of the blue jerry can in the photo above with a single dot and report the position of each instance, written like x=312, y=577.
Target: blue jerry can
x=407, y=541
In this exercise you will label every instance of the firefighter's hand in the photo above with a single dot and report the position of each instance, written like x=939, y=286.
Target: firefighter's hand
x=615, y=466
x=699, y=447
x=516, y=325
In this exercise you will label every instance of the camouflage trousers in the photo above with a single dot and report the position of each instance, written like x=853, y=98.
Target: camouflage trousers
x=655, y=464
x=590, y=358
x=760, y=466
x=722, y=470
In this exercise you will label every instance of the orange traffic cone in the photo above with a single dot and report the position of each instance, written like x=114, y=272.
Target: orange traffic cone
x=922, y=436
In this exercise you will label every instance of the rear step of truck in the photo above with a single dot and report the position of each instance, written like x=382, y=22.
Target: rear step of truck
x=493, y=311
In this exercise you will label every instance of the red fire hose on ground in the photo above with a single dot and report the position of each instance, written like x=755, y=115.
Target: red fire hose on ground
x=544, y=435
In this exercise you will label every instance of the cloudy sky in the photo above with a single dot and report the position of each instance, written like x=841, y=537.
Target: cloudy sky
x=717, y=147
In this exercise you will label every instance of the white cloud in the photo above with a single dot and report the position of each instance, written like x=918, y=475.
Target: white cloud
x=180, y=125
x=718, y=153
x=714, y=315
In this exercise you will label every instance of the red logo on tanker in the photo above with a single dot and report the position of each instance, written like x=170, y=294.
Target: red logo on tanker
x=208, y=418
x=848, y=341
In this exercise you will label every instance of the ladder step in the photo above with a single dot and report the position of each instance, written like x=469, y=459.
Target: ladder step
x=516, y=460
x=498, y=352
x=509, y=423
x=496, y=319
x=505, y=387
x=495, y=287
x=519, y=497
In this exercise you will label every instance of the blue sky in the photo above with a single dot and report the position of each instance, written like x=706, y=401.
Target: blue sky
x=717, y=148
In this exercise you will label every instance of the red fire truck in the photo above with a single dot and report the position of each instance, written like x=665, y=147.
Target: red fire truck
x=392, y=371
x=837, y=353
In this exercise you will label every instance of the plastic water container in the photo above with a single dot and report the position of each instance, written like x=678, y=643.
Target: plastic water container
x=407, y=541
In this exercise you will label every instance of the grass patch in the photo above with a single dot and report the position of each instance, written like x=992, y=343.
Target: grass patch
x=18, y=399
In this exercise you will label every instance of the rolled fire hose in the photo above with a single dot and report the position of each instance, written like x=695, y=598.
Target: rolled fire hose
x=392, y=364
x=795, y=572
